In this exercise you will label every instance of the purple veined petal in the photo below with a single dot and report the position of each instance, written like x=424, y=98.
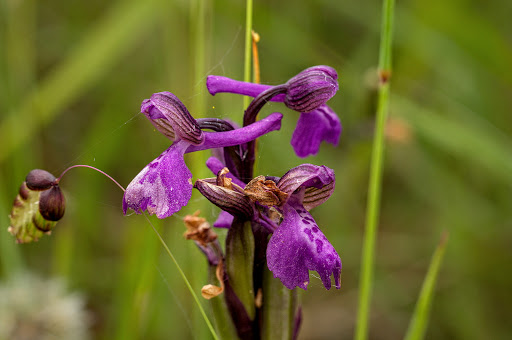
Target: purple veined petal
x=311, y=88
x=314, y=127
x=307, y=175
x=224, y=220
x=239, y=136
x=163, y=187
x=313, y=197
x=166, y=106
x=215, y=165
x=297, y=247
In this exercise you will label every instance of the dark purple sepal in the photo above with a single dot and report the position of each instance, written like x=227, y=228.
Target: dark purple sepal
x=232, y=201
x=311, y=88
x=166, y=105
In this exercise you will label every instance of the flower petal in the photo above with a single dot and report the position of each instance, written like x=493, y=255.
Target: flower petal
x=239, y=136
x=219, y=84
x=224, y=220
x=232, y=201
x=306, y=175
x=311, y=88
x=312, y=128
x=298, y=246
x=163, y=186
x=170, y=116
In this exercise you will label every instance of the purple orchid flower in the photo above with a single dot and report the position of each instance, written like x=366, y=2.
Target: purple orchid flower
x=306, y=93
x=164, y=186
x=297, y=244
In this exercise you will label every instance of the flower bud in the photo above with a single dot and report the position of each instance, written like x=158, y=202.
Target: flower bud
x=311, y=88
x=38, y=180
x=52, y=204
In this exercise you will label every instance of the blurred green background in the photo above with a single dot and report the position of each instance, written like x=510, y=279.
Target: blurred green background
x=73, y=74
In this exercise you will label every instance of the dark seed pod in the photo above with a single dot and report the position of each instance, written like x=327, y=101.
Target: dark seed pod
x=39, y=180
x=52, y=204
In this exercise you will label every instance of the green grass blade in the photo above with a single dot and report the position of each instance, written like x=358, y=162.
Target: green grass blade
x=182, y=274
x=418, y=324
x=247, y=51
x=375, y=182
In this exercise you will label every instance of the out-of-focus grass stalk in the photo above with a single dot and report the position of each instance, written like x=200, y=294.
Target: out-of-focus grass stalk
x=10, y=257
x=374, y=188
x=419, y=320
x=101, y=46
x=248, y=44
x=17, y=74
x=182, y=274
x=200, y=12
x=475, y=141
x=135, y=284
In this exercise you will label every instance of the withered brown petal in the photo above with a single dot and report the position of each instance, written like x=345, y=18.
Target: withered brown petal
x=223, y=180
x=198, y=229
x=265, y=192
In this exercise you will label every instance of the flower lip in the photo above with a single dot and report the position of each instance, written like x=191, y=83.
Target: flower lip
x=298, y=246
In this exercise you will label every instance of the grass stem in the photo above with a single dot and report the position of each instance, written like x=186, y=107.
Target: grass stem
x=248, y=45
x=375, y=183
x=189, y=286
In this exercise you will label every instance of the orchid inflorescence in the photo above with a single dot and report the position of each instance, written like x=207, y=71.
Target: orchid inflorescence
x=276, y=209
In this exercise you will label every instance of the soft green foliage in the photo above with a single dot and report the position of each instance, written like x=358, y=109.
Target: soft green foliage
x=239, y=263
x=446, y=164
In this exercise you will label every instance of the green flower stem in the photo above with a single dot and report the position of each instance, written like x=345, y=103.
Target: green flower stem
x=239, y=263
x=248, y=45
x=419, y=320
x=189, y=286
x=374, y=188
x=279, y=309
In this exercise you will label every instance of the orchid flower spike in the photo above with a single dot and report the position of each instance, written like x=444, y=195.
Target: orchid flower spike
x=164, y=186
x=297, y=244
x=306, y=93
